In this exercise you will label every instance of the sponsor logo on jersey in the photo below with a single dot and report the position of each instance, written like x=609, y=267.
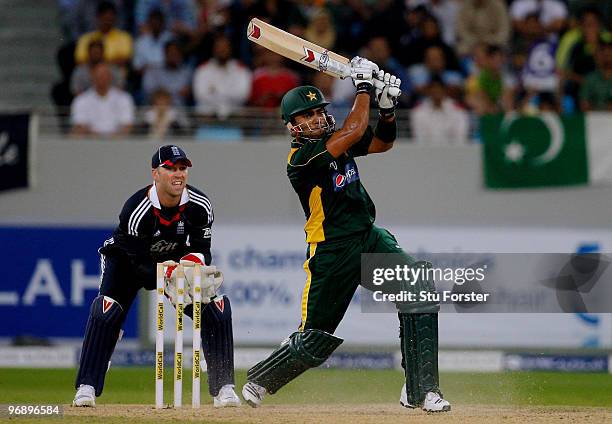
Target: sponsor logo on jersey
x=163, y=246
x=350, y=175
x=107, y=303
x=340, y=180
x=180, y=228
x=157, y=233
x=207, y=233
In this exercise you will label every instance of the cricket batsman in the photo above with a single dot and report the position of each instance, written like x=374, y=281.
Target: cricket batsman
x=339, y=228
x=168, y=220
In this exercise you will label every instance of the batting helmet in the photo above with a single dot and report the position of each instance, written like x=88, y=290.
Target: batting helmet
x=301, y=99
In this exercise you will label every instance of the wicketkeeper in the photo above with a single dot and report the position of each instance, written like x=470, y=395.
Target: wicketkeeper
x=339, y=228
x=168, y=220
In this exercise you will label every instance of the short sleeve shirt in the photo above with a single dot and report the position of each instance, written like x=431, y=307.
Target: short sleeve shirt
x=334, y=201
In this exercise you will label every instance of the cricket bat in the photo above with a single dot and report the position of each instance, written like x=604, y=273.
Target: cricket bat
x=303, y=51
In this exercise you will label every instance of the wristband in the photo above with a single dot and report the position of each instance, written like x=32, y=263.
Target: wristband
x=364, y=87
x=386, y=131
x=387, y=113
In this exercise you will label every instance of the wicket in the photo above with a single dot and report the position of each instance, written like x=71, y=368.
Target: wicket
x=178, y=341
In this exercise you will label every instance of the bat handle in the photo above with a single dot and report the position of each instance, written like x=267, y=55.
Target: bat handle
x=394, y=91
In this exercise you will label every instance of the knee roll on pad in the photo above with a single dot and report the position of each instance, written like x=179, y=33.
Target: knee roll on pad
x=301, y=351
x=218, y=343
x=313, y=347
x=422, y=284
x=419, y=346
x=101, y=335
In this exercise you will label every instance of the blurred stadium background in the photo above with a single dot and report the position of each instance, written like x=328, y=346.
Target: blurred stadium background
x=442, y=189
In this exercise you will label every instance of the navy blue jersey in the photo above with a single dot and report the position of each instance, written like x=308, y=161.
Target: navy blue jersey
x=149, y=233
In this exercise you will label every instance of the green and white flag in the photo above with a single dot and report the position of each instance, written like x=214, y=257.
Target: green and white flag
x=534, y=151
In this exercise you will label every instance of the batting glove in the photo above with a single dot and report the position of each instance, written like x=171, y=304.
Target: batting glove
x=362, y=73
x=386, y=100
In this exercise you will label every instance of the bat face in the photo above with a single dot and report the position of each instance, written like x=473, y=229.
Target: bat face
x=297, y=49
x=303, y=51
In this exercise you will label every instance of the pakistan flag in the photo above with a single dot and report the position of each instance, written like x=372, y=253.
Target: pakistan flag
x=534, y=151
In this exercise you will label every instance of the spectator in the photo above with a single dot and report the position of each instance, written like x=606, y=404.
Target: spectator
x=546, y=101
x=596, y=92
x=382, y=17
x=521, y=46
x=445, y=11
x=103, y=109
x=81, y=77
x=414, y=52
x=435, y=64
x=379, y=52
x=581, y=60
x=271, y=80
x=212, y=17
x=490, y=89
x=117, y=43
x=149, y=50
x=482, y=21
x=222, y=84
x=350, y=19
x=178, y=14
x=321, y=30
x=60, y=91
x=539, y=73
x=409, y=31
x=588, y=16
x=438, y=120
x=339, y=92
x=81, y=16
x=282, y=14
x=163, y=118
x=552, y=15
x=174, y=76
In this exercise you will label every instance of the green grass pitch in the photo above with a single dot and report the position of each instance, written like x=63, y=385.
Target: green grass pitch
x=323, y=386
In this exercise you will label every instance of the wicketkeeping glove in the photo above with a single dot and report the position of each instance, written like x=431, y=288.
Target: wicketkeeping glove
x=170, y=287
x=211, y=279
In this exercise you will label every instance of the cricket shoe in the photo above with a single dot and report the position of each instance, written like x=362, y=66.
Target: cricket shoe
x=435, y=403
x=226, y=398
x=253, y=393
x=85, y=396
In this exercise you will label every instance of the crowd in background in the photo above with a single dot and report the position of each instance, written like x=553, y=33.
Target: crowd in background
x=456, y=59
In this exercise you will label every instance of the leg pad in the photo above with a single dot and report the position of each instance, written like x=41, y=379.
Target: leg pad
x=218, y=343
x=301, y=351
x=101, y=335
x=419, y=345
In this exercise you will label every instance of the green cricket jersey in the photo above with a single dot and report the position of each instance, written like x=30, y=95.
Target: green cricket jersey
x=335, y=202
